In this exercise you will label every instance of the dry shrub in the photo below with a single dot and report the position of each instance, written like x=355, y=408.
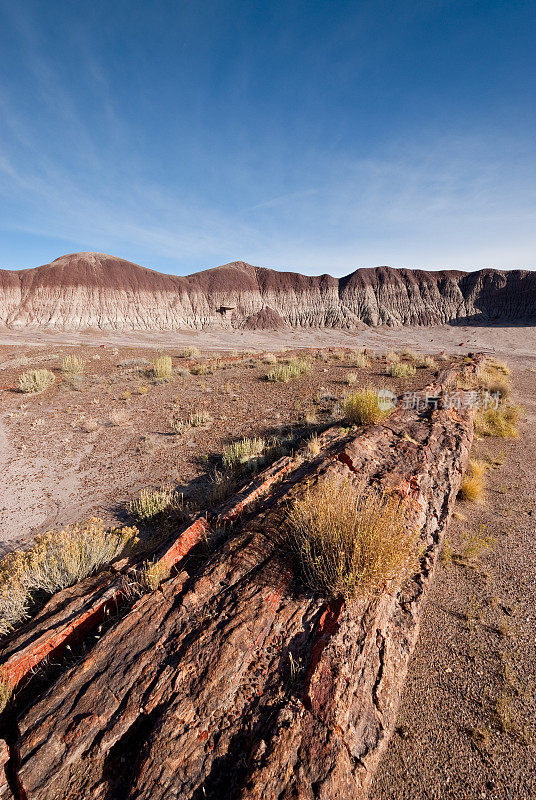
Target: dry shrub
x=199, y=419
x=244, y=454
x=399, y=370
x=152, y=575
x=269, y=358
x=472, y=488
x=350, y=543
x=151, y=502
x=351, y=378
x=427, y=363
x=392, y=357
x=35, y=380
x=313, y=446
x=501, y=421
x=163, y=368
x=201, y=369
x=359, y=359
x=361, y=408
x=72, y=365
x=56, y=560
x=284, y=373
x=189, y=352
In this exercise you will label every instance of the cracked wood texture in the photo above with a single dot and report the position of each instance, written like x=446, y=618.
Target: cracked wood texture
x=232, y=682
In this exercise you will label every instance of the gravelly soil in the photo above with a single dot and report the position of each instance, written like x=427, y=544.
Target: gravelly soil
x=71, y=453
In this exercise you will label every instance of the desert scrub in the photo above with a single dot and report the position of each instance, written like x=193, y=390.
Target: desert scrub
x=243, y=455
x=152, y=575
x=269, y=358
x=361, y=408
x=199, y=419
x=284, y=373
x=163, y=368
x=351, y=378
x=189, y=352
x=392, y=357
x=201, y=369
x=348, y=543
x=472, y=488
x=426, y=363
x=35, y=380
x=151, y=502
x=5, y=694
x=359, y=359
x=400, y=370
x=501, y=421
x=56, y=560
x=313, y=446
x=72, y=365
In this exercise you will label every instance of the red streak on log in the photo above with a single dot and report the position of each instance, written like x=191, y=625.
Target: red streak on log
x=327, y=626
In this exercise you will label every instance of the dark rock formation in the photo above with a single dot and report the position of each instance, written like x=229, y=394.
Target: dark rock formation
x=92, y=290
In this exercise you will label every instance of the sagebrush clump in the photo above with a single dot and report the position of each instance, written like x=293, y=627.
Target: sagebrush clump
x=400, y=370
x=36, y=380
x=349, y=543
x=283, y=373
x=56, y=560
x=151, y=502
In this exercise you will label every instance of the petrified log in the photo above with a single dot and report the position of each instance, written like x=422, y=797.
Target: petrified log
x=231, y=681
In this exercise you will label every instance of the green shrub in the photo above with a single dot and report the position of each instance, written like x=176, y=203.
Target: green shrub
x=151, y=502
x=284, y=373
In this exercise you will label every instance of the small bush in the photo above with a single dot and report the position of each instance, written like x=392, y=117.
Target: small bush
x=359, y=359
x=243, y=454
x=189, y=352
x=392, y=357
x=35, y=380
x=151, y=502
x=72, y=365
x=56, y=560
x=501, y=421
x=472, y=488
x=151, y=576
x=427, y=363
x=400, y=370
x=361, y=408
x=163, y=368
x=199, y=419
x=284, y=373
x=351, y=378
x=201, y=369
x=350, y=544
x=269, y=358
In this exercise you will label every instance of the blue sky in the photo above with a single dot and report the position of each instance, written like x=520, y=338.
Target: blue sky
x=312, y=136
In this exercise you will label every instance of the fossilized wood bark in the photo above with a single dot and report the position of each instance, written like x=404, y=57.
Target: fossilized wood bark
x=231, y=682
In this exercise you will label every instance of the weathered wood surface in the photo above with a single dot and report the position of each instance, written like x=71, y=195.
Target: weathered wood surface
x=231, y=682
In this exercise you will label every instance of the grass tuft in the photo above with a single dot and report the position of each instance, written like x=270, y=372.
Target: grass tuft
x=472, y=488
x=501, y=421
x=151, y=502
x=399, y=370
x=163, y=368
x=349, y=543
x=243, y=455
x=361, y=408
x=283, y=373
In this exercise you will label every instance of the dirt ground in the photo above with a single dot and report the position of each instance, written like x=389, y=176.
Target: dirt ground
x=86, y=447
x=466, y=726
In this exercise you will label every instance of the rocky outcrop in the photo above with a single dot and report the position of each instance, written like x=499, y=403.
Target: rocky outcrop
x=231, y=680
x=96, y=291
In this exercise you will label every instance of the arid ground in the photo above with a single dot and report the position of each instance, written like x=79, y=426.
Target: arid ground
x=86, y=446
